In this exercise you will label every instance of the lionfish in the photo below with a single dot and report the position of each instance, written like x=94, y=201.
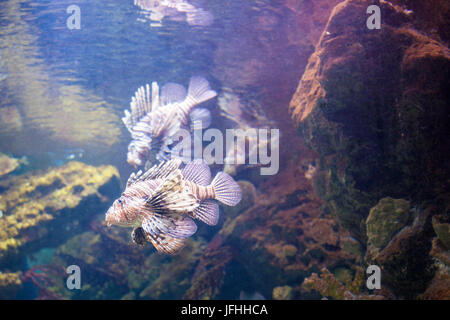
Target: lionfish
x=161, y=203
x=177, y=10
x=154, y=124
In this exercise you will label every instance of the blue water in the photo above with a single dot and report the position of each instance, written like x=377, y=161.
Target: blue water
x=114, y=53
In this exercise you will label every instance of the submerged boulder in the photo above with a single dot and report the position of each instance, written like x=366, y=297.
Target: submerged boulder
x=386, y=219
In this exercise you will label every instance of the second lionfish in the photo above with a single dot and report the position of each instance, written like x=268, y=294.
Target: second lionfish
x=155, y=120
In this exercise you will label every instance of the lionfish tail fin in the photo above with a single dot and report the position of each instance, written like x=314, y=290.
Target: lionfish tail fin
x=199, y=90
x=227, y=190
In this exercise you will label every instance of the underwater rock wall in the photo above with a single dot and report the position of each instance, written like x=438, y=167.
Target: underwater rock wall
x=284, y=235
x=374, y=105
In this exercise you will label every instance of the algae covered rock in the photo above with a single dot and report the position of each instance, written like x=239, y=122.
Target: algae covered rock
x=282, y=293
x=328, y=286
x=407, y=267
x=276, y=242
x=442, y=229
x=385, y=220
x=41, y=209
x=10, y=283
x=374, y=105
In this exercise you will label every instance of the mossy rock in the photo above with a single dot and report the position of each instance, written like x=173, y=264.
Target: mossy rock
x=282, y=293
x=442, y=230
x=385, y=220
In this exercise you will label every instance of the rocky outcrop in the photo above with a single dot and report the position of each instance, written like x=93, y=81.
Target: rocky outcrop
x=284, y=235
x=374, y=105
x=385, y=220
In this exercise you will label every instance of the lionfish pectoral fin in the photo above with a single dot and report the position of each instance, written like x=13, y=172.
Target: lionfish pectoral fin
x=174, y=226
x=198, y=172
x=207, y=212
x=167, y=244
x=170, y=197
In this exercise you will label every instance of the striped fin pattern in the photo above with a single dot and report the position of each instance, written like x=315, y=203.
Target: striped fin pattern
x=207, y=212
x=171, y=197
x=172, y=225
x=141, y=105
x=198, y=172
x=166, y=244
x=161, y=171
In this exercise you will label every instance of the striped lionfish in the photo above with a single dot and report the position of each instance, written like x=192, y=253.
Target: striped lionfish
x=154, y=124
x=160, y=203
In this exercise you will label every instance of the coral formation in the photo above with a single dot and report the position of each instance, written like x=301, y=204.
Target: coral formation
x=439, y=287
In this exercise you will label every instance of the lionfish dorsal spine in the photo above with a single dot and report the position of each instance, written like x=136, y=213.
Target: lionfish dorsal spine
x=155, y=96
x=161, y=171
x=141, y=105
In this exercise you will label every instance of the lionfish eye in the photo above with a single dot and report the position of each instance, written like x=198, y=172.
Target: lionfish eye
x=120, y=201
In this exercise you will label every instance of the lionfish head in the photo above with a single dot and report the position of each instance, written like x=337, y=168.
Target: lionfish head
x=134, y=156
x=119, y=213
